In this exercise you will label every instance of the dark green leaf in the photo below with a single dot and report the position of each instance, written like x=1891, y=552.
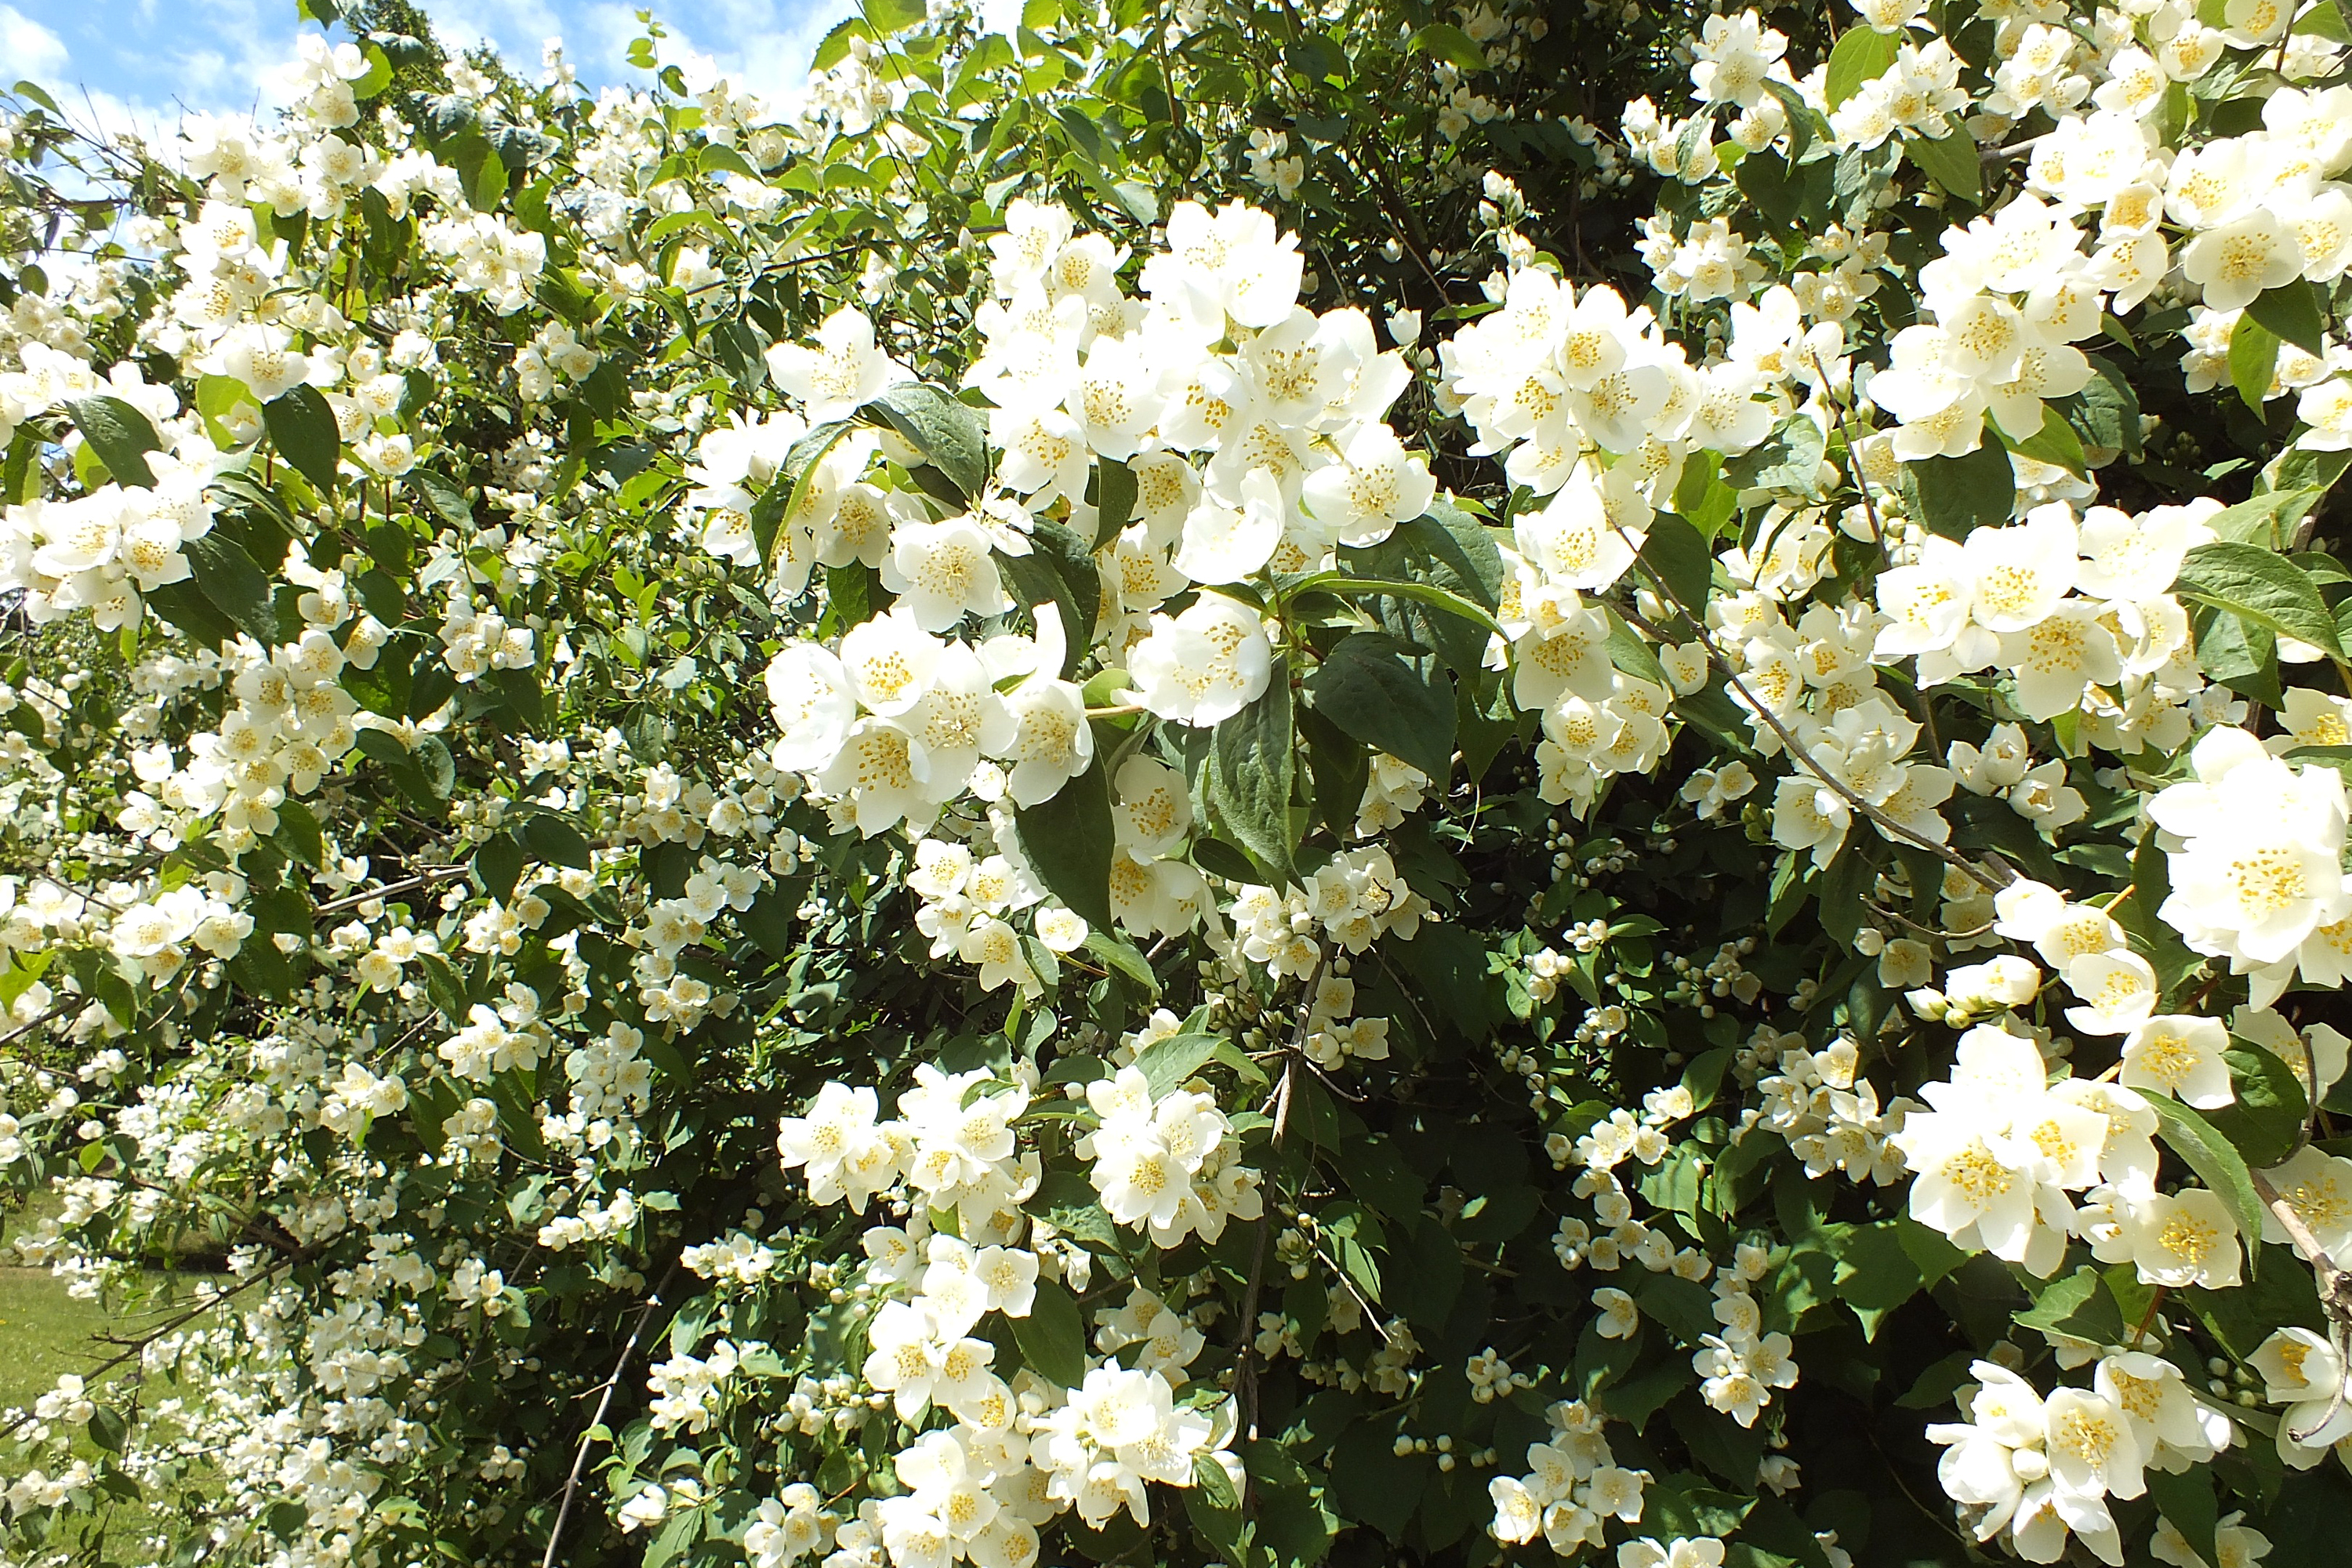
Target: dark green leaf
x=302, y=424
x=2291, y=313
x=499, y=862
x=2263, y=587
x=1677, y=552
x=119, y=434
x=1957, y=494
x=1949, y=160
x=434, y=765
x=1068, y=842
x=948, y=432
x=1390, y=696
x=235, y=585
x=446, y=499
x=555, y=841
x=2217, y=1164
x=783, y=497
x=1052, y=1337
x=1114, y=498
x=2187, y=1499
x=1253, y=758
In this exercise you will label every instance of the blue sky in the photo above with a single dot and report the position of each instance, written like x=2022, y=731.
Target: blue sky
x=144, y=60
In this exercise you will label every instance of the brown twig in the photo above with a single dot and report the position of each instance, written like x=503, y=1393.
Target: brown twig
x=1245, y=1369
x=431, y=876
x=603, y=1403
x=1796, y=749
x=2335, y=1292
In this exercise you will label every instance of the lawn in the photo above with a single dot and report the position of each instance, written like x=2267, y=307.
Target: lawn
x=48, y=1332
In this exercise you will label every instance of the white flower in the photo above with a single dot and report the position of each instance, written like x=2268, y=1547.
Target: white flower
x=809, y=693
x=1204, y=665
x=1374, y=485
x=2241, y=259
x=2259, y=865
x=837, y=375
x=2185, y=1239
x=2180, y=1055
x=1224, y=543
x=2301, y=1371
x=1675, y=1553
x=943, y=571
x=2118, y=987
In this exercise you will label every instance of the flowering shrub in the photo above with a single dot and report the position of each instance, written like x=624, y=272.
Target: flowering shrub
x=1100, y=801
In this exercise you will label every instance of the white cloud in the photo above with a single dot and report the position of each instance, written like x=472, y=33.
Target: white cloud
x=31, y=50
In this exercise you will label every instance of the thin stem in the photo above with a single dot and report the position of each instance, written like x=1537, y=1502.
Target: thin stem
x=1245, y=1369
x=430, y=876
x=603, y=1403
x=1796, y=749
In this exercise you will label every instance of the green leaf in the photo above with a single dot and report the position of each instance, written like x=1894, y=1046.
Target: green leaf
x=2253, y=358
x=434, y=765
x=2291, y=313
x=235, y=585
x=1054, y=572
x=2262, y=587
x=835, y=46
x=302, y=424
x=1114, y=498
x=2187, y=1499
x=2078, y=1306
x=1677, y=552
x=889, y=17
x=1167, y=1062
x=300, y=833
x=783, y=497
x=1052, y=1337
x=1959, y=494
x=2326, y=20
x=1444, y=41
x=948, y=432
x=2106, y=414
x=2055, y=443
x=1069, y=841
x=1949, y=160
x=1341, y=586
x=2265, y=1122
x=119, y=434
x=555, y=841
x=2267, y=518
x=740, y=347
x=185, y=606
x=2217, y=1164
x=1876, y=1274
x=444, y=496
x=1123, y=955
x=378, y=76
x=1862, y=55
x=107, y=1429
x=499, y=862
x=1253, y=757
x=1457, y=552
x=1371, y=1483
x=1390, y=696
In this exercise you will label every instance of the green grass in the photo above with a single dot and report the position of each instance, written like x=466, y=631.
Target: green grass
x=47, y=1334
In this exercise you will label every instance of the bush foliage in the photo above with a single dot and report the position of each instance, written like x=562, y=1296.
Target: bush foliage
x=1218, y=786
